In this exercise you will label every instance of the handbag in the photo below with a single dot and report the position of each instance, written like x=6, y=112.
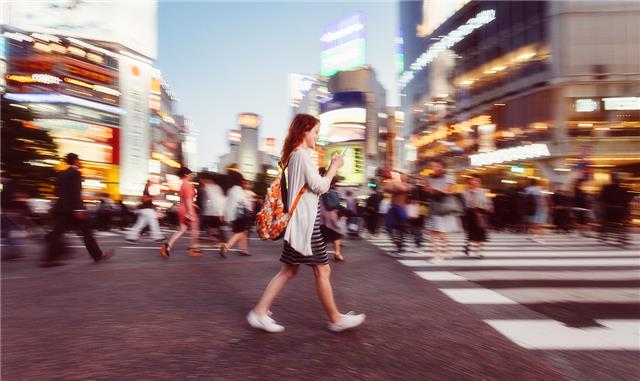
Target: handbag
x=447, y=205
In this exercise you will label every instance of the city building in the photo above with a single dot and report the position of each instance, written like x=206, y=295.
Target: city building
x=354, y=115
x=523, y=89
x=244, y=149
x=94, y=88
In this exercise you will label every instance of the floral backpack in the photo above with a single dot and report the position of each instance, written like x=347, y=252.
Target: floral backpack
x=272, y=219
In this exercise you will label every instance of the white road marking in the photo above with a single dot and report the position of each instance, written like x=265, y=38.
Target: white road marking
x=553, y=335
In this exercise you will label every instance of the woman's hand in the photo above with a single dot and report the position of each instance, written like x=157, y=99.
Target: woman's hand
x=337, y=160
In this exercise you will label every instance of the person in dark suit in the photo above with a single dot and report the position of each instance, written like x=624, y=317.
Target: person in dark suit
x=69, y=213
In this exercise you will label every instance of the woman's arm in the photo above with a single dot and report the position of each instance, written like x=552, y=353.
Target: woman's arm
x=316, y=183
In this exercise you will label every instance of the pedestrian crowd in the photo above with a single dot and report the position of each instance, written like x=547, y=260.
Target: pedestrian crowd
x=423, y=210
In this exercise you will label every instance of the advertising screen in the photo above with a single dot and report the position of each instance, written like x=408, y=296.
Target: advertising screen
x=343, y=45
x=353, y=172
x=298, y=86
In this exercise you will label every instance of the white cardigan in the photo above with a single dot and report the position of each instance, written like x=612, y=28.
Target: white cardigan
x=301, y=171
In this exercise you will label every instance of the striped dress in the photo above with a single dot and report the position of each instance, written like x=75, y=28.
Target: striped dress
x=318, y=247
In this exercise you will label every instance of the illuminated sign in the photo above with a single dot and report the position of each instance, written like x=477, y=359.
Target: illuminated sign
x=249, y=120
x=586, y=105
x=235, y=136
x=343, y=124
x=353, y=171
x=34, y=78
x=445, y=43
x=510, y=154
x=624, y=103
x=343, y=45
x=88, y=74
x=98, y=88
x=61, y=98
x=517, y=169
x=486, y=137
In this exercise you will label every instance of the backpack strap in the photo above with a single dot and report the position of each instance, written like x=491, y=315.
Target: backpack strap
x=295, y=203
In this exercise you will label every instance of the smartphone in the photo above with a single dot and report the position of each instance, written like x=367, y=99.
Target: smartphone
x=344, y=151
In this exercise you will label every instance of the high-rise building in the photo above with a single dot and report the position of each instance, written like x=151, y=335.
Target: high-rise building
x=488, y=85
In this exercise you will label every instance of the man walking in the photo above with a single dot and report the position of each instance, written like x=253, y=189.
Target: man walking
x=69, y=213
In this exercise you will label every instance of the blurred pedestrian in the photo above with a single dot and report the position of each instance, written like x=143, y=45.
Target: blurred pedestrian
x=213, y=209
x=69, y=213
x=536, y=210
x=561, y=210
x=147, y=217
x=396, y=217
x=614, y=204
x=330, y=222
x=303, y=242
x=477, y=208
x=238, y=212
x=415, y=220
x=371, y=216
x=187, y=216
x=444, y=210
x=581, y=208
x=352, y=213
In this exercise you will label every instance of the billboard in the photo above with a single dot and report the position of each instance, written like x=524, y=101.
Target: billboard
x=343, y=45
x=135, y=85
x=94, y=20
x=352, y=172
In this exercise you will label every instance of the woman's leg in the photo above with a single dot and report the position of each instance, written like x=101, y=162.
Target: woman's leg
x=338, y=249
x=183, y=228
x=435, y=243
x=325, y=292
x=275, y=286
x=234, y=238
x=195, y=233
x=244, y=242
x=445, y=245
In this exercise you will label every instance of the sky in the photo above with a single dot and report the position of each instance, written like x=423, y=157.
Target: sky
x=225, y=58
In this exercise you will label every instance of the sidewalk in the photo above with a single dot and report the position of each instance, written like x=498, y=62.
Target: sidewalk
x=139, y=317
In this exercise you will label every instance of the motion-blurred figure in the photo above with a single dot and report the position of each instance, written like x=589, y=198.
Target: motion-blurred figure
x=444, y=210
x=147, y=217
x=581, y=208
x=330, y=223
x=536, y=209
x=187, y=216
x=396, y=216
x=213, y=200
x=477, y=208
x=371, y=216
x=238, y=213
x=69, y=213
x=614, y=204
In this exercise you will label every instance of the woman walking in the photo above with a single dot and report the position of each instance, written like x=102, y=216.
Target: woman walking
x=477, y=206
x=237, y=211
x=443, y=218
x=303, y=242
x=187, y=216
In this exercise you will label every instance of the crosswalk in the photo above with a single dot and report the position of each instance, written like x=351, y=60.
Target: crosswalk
x=571, y=293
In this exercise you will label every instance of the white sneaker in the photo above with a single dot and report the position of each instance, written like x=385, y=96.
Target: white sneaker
x=264, y=322
x=347, y=321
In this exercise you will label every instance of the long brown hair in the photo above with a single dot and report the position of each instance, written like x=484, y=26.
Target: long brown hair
x=300, y=124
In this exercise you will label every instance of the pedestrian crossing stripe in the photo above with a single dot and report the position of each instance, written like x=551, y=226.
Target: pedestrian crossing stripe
x=519, y=260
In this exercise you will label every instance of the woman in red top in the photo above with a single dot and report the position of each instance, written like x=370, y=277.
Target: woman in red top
x=187, y=216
